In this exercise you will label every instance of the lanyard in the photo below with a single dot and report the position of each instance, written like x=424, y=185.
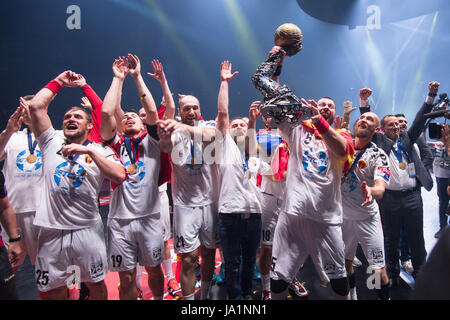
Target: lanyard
x=355, y=161
x=31, y=144
x=400, y=151
x=131, y=144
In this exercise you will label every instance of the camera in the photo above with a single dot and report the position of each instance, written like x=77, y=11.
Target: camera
x=434, y=130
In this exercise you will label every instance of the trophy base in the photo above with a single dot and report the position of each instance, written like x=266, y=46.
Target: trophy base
x=285, y=111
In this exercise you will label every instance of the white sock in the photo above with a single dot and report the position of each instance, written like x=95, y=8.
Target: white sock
x=167, y=268
x=265, y=282
x=189, y=297
x=204, y=291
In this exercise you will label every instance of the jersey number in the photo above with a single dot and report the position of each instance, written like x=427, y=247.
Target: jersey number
x=116, y=260
x=42, y=277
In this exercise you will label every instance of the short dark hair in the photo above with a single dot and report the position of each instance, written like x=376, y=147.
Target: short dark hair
x=131, y=110
x=383, y=121
x=400, y=115
x=88, y=115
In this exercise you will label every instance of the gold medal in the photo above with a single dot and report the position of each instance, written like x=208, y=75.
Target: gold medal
x=31, y=158
x=132, y=168
x=402, y=165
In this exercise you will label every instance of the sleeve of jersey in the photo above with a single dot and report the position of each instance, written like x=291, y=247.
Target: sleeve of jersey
x=347, y=160
x=382, y=170
x=96, y=102
x=283, y=160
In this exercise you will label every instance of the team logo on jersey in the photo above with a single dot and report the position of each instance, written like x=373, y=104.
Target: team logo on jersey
x=315, y=162
x=362, y=164
x=196, y=162
x=24, y=165
x=69, y=175
x=140, y=173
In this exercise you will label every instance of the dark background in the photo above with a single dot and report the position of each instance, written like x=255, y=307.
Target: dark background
x=191, y=37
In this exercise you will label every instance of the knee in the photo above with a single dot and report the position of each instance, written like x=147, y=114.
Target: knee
x=340, y=286
x=278, y=286
x=189, y=260
x=127, y=278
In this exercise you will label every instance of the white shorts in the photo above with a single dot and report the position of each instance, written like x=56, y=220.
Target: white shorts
x=62, y=251
x=135, y=240
x=29, y=233
x=195, y=226
x=296, y=237
x=369, y=233
x=165, y=215
x=271, y=207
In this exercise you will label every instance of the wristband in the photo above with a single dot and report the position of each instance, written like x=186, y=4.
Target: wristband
x=53, y=86
x=15, y=239
x=322, y=126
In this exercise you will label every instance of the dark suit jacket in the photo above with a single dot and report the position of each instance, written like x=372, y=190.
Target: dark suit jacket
x=408, y=139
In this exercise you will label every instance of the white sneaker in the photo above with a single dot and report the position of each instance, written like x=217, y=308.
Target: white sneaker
x=407, y=266
x=356, y=262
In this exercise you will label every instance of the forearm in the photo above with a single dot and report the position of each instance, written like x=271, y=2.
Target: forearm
x=108, y=126
x=38, y=106
x=378, y=189
x=8, y=219
x=252, y=142
x=111, y=170
x=222, y=108
x=147, y=100
x=4, y=138
x=336, y=143
x=170, y=103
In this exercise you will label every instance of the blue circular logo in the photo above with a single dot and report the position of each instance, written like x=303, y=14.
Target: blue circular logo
x=315, y=162
x=69, y=175
x=24, y=165
x=140, y=170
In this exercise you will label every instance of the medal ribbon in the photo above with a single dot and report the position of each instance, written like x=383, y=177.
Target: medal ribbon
x=31, y=144
x=400, y=151
x=131, y=144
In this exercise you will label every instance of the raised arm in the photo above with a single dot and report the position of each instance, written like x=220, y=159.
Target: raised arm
x=253, y=115
x=111, y=102
x=146, y=97
x=223, y=118
x=39, y=104
x=159, y=75
x=13, y=125
x=364, y=95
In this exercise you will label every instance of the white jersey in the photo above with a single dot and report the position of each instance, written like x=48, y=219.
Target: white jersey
x=441, y=168
x=69, y=198
x=372, y=165
x=193, y=180
x=138, y=195
x=314, y=176
x=23, y=178
x=238, y=190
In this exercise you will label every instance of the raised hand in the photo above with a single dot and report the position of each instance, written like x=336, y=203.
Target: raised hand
x=68, y=79
x=225, y=71
x=365, y=93
x=348, y=107
x=367, y=193
x=433, y=87
x=315, y=114
x=78, y=81
x=158, y=71
x=274, y=50
x=339, y=123
x=120, y=68
x=16, y=120
x=85, y=103
x=255, y=111
x=134, y=65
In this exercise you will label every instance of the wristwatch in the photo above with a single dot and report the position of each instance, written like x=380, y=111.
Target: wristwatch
x=15, y=239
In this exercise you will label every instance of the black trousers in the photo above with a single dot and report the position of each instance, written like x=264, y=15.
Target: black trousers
x=403, y=209
x=8, y=290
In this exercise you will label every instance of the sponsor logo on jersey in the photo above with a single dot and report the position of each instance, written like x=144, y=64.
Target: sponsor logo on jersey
x=315, y=162
x=24, y=165
x=69, y=175
x=384, y=172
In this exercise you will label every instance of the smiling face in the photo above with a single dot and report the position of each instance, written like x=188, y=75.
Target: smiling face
x=327, y=109
x=131, y=124
x=391, y=127
x=76, y=124
x=189, y=110
x=366, y=125
x=402, y=123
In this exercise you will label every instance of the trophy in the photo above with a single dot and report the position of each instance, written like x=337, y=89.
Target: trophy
x=281, y=105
